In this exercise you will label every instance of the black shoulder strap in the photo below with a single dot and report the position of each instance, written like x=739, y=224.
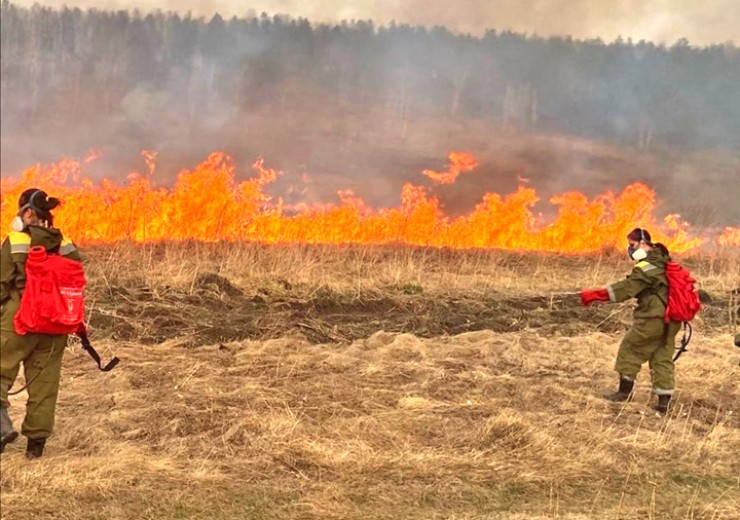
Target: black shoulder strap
x=96, y=357
x=688, y=331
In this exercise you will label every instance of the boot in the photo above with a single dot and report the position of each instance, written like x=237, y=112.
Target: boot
x=624, y=393
x=663, y=402
x=7, y=432
x=35, y=448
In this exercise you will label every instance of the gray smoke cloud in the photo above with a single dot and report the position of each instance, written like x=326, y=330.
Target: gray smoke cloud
x=665, y=21
x=374, y=149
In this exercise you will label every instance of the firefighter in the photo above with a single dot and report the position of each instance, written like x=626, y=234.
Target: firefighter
x=649, y=339
x=40, y=354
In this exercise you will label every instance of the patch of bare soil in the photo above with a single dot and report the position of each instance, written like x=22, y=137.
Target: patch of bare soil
x=214, y=310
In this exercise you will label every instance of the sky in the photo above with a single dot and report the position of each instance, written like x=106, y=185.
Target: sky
x=702, y=22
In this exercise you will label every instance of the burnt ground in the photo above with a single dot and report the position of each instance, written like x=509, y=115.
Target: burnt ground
x=214, y=310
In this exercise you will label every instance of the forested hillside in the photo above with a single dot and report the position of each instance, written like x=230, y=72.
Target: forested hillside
x=357, y=99
x=70, y=65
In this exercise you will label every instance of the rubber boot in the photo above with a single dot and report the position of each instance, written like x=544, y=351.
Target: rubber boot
x=35, y=448
x=663, y=402
x=624, y=393
x=7, y=432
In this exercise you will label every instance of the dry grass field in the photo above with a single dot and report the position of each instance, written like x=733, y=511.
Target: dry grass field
x=377, y=383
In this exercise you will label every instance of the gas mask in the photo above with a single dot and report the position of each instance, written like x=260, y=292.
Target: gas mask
x=17, y=223
x=636, y=253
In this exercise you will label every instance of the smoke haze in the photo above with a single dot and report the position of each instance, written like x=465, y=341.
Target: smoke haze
x=665, y=21
x=367, y=109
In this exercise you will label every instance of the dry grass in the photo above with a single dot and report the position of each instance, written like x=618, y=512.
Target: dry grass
x=357, y=269
x=298, y=425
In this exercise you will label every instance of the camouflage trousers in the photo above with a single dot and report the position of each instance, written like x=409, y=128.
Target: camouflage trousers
x=654, y=342
x=41, y=357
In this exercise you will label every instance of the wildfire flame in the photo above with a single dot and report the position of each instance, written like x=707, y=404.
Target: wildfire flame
x=150, y=158
x=730, y=237
x=459, y=162
x=93, y=155
x=208, y=204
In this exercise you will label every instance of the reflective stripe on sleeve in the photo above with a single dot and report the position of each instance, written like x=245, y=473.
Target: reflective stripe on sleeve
x=646, y=266
x=19, y=248
x=67, y=249
x=19, y=242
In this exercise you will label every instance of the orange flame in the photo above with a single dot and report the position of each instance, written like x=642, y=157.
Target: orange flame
x=459, y=162
x=730, y=237
x=93, y=155
x=150, y=158
x=208, y=204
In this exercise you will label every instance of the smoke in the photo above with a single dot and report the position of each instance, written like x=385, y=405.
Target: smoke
x=665, y=21
x=242, y=99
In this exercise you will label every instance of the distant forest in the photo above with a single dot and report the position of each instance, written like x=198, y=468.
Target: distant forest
x=63, y=69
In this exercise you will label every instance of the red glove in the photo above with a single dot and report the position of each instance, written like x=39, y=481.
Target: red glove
x=595, y=295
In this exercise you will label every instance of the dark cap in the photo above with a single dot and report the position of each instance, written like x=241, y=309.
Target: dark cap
x=640, y=235
x=39, y=201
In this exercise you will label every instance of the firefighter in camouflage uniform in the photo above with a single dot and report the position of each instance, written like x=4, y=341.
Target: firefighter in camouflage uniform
x=649, y=339
x=40, y=354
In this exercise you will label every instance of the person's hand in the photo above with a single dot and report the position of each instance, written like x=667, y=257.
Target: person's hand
x=594, y=295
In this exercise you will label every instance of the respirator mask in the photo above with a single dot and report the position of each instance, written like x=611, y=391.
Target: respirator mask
x=637, y=253
x=17, y=223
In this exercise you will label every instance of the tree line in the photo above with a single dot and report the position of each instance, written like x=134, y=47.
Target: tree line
x=74, y=67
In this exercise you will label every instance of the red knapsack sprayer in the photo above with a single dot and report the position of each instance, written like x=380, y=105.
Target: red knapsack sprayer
x=53, y=300
x=683, y=301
